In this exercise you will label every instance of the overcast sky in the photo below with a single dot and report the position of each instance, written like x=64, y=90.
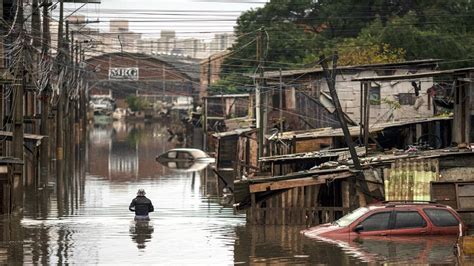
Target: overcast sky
x=197, y=18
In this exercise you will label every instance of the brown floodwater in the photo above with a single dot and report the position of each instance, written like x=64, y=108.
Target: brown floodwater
x=88, y=222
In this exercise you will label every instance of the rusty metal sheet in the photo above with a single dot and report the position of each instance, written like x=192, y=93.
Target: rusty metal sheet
x=409, y=179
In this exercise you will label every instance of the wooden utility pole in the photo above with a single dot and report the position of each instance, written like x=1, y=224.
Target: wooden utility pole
x=366, y=116
x=205, y=105
x=61, y=102
x=163, y=81
x=67, y=109
x=258, y=95
x=32, y=175
x=359, y=175
x=18, y=134
x=83, y=95
x=281, y=104
x=204, y=123
x=36, y=24
x=45, y=105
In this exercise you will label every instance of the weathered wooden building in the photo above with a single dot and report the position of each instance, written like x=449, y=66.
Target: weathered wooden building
x=322, y=194
x=225, y=112
x=293, y=147
x=227, y=150
x=307, y=103
x=420, y=158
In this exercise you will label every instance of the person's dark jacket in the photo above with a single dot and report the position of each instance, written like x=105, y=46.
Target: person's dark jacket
x=141, y=205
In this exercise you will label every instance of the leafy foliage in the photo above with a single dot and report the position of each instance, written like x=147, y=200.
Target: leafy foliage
x=135, y=103
x=297, y=32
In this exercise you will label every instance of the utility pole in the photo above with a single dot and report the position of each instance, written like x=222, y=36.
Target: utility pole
x=67, y=109
x=359, y=174
x=205, y=105
x=18, y=134
x=35, y=24
x=2, y=94
x=281, y=104
x=45, y=127
x=83, y=95
x=60, y=104
x=75, y=117
x=258, y=95
x=32, y=174
x=163, y=81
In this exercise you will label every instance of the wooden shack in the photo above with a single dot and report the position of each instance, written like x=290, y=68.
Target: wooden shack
x=217, y=108
x=307, y=103
x=294, y=148
x=411, y=159
x=444, y=176
x=304, y=198
x=227, y=153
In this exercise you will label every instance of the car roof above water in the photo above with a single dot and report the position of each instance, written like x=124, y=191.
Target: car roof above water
x=408, y=204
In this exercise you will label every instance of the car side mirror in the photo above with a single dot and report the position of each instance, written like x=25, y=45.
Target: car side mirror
x=359, y=228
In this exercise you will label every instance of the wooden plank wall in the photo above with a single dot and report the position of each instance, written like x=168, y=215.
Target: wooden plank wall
x=296, y=206
x=311, y=145
x=247, y=155
x=296, y=146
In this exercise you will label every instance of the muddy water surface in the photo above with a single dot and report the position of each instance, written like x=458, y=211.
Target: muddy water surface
x=88, y=222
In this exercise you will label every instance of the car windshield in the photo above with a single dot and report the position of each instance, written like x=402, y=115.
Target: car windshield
x=351, y=217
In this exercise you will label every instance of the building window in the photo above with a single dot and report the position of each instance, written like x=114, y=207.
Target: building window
x=374, y=95
x=406, y=98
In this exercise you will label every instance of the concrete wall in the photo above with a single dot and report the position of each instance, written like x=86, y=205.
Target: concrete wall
x=455, y=168
x=349, y=94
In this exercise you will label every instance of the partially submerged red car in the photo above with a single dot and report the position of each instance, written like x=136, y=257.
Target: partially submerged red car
x=392, y=219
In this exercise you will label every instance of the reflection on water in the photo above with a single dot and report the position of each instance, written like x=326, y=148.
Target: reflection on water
x=140, y=232
x=86, y=221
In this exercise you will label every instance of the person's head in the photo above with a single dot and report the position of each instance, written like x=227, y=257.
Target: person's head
x=141, y=192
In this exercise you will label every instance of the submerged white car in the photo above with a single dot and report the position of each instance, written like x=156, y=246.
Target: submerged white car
x=185, y=159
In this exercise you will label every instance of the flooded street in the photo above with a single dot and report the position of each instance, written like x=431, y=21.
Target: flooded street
x=89, y=222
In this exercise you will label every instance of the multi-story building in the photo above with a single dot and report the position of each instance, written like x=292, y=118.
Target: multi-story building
x=221, y=42
x=119, y=38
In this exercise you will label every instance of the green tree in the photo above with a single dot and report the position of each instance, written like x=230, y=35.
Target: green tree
x=135, y=103
x=425, y=42
x=297, y=32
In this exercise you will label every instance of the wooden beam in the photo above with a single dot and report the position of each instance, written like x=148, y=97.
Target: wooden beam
x=298, y=182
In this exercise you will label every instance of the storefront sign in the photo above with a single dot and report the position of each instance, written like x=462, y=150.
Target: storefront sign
x=123, y=73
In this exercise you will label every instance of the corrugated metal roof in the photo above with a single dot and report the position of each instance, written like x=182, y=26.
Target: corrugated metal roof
x=415, y=76
x=310, y=155
x=274, y=74
x=232, y=132
x=242, y=95
x=355, y=130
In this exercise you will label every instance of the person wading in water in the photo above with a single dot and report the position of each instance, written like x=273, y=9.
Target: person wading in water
x=141, y=205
